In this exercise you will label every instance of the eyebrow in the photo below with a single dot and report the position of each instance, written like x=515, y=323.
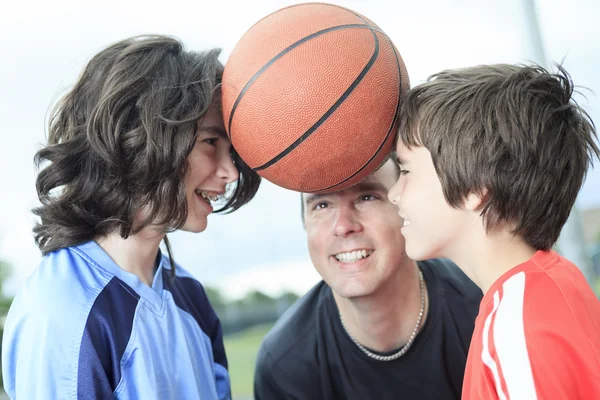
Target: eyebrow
x=400, y=160
x=214, y=129
x=365, y=186
x=310, y=198
x=369, y=186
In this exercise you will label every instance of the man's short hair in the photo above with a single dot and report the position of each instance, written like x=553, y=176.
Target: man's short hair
x=512, y=132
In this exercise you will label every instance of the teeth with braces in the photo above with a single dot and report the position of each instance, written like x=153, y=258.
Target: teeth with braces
x=353, y=256
x=207, y=195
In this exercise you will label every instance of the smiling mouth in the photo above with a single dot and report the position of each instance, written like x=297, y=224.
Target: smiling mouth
x=208, y=197
x=353, y=256
x=406, y=222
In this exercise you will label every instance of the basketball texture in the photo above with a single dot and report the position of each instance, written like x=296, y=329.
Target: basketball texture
x=310, y=97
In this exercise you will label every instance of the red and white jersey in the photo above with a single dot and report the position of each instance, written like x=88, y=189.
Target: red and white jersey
x=537, y=335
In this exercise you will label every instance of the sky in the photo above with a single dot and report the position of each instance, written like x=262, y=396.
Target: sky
x=45, y=45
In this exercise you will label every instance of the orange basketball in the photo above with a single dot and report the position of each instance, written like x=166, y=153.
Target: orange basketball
x=310, y=97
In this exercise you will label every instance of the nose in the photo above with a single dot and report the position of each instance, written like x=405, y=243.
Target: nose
x=227, y=170
x=394, y=193
x=346, y=222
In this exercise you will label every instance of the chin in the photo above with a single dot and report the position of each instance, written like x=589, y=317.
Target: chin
x=195, y=227
x=351, y=291
x=420, y=254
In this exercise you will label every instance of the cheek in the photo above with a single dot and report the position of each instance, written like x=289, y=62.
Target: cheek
x=392, y=235
x=316, y=238
x=388, y=221
x=411, y=195
x=384, y=227
x=437, y=201
x=313, y=238
x=199, y=169
x=188, y=181
x=426, y=194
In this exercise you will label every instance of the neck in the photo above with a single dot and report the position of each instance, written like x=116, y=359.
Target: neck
x=495, y=253
x=136, y=254
x=385, y=320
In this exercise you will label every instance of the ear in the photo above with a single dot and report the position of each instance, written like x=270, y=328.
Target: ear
x=475, y=201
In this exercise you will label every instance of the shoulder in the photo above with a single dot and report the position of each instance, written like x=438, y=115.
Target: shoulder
x=69, y=287
x=544, y=320
x=65, y=285
x=295, y=331
x=451, y=279
x=553, y=296
x=78, y=306
x=544, y=299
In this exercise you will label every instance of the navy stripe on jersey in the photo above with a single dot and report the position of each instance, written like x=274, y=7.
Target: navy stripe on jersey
x=199, y=308
x=105, y=338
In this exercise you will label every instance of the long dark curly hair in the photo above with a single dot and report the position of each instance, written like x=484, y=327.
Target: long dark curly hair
x=118, y=143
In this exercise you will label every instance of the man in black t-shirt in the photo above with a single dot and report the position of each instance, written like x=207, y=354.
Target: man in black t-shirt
x=380, y=325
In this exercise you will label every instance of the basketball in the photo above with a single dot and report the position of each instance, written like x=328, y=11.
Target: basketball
x=310, y=97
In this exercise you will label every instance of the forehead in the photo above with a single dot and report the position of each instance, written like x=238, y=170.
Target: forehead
x=212, y=117
x=381, y=180
x=403, y=152
x=212, y=122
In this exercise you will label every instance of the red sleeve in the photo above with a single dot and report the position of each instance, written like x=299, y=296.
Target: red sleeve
x=562, y=329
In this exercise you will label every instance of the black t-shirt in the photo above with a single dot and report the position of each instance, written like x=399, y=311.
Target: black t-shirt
x=308, y=355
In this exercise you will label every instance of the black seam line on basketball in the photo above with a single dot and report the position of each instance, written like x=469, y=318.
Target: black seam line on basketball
x=391, y=126
x=281, y=54
x=328, y=113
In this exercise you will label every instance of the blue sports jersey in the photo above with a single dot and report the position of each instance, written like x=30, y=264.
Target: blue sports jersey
x=83, y=328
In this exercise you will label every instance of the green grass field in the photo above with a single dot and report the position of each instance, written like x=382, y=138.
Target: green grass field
x=241, y=349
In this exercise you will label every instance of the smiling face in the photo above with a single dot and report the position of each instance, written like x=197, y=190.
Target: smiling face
x=432, y=227
x=354, y=237
x=211, y=168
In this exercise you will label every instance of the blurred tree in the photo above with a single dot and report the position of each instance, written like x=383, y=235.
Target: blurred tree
x=289, y=297
x=215, y=297
x=256, y=297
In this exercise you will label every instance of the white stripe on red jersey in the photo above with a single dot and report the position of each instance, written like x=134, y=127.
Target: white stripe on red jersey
x=508, y=335
x=486, y=357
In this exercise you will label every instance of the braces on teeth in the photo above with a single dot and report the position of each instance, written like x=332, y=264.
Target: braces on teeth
x=206, y=196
